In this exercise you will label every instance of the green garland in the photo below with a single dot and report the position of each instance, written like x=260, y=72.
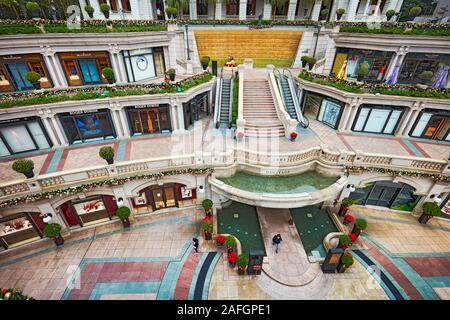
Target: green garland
x=435, y=176
x=13, y=294
x=108, y=182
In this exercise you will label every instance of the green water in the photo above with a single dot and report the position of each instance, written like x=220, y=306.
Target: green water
x=313, y=224
x=309, y=181
x=245, y=227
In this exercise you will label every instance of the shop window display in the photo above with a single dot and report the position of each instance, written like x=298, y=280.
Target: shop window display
x=432, y=124
x=423, y=68
x=377, y=119
x=326, y=110
x=17, y=231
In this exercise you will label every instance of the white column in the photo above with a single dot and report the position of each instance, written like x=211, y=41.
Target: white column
x=121, y=64
x=51, y=71
x=398, y=5
x=117, y=123
x=59, y=131
x=267, y=12
x=404, y=122
x=193, y=9
x=351, y=119
x=123, y=119
x=345, y=117
x=411, y=121
x=173, y=118
x=366, y=9
x=291, y=10
x=242, y=9
x=51, y=133
x=316, y=10
x=179, y=110
x=351, y=10
x=333, y=10
x=377, y=8
x=218, y=14
x=59, y=71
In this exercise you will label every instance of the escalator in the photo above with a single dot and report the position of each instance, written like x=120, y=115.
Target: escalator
x=224, y=98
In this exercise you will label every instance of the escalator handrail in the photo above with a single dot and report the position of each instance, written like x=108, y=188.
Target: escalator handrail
x=230, y=107
x=218, y=101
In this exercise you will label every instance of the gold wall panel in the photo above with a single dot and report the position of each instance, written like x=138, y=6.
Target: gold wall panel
x=241, y=44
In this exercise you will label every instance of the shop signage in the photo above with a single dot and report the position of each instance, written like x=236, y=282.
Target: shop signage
x=145, y=106
x=82, y=111
x=16, y=120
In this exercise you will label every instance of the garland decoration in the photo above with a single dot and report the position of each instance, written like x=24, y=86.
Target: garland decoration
x=108, y=182
x=435, y=176
x=13, y=294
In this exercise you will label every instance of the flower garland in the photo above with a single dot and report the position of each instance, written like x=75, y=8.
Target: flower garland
x=99, y=91
x=108, y=182
x=12, y=294
x=435, y=176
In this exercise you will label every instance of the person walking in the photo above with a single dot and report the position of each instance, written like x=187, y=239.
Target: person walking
x=276, y=240
x=195, y=244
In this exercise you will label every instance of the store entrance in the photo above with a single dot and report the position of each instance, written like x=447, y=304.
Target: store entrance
x=438, y=128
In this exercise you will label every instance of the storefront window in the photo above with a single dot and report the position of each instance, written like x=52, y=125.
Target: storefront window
x=20, y=229
x=149, y=119
x=21, y=135
x=432, y=124
x=195, y=109
x=326, y=110
x=352, y=59
x=84, y=68
x=422, y=68
x=377, y=119
x=396, y=196
x=92, y=126
x=143, y=64
x=202, y=7
x=13, y=70
x=445, y=207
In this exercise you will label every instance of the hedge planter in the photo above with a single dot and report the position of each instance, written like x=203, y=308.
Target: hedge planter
x=430, y=210
x=34, y=10
x=33, y=78
x=123, y=213
x=59, y=240
x=90, y=10
x=24, y=166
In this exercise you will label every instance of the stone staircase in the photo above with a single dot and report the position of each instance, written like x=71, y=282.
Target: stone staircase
x=261, y=119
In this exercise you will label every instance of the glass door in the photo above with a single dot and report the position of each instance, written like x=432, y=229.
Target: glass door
x=158, y=199
x=18, y=70
x=170, y=196
x=89, y=71
x=153, y=121
x=158, y=56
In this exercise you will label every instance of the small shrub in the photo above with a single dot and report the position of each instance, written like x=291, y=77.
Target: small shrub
x=415, y=11
x=347, y=259
x=363, y=69
x=207, y=204
x=171, y=11
x=106, y=152
x=242, y=260
x=89, y=9
x=23, y=165
x=340, y=11
x=205, y=60
x=345, y=240
x=431, y=209
x=33, y=6
x=324, y=13
x=390, y=13
x=108, y=73
x=361, y=223
x=347, y=202
x=123, y=213
x=171, y=71
x=33, y=77
x=52, y=230
x=312, y=61
x=104, y=7
x=230, y=241
x=426, y=74
x=207, y=225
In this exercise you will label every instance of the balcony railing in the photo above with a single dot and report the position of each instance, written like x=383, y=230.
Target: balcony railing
x=65, y=179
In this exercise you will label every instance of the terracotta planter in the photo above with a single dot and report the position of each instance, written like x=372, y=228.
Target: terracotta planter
x=29, y=174
x=423, y=219
x=342, y=211
x=59, y=241
x=126, y=223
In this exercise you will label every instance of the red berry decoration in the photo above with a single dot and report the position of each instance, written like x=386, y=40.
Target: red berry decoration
x=353, y=236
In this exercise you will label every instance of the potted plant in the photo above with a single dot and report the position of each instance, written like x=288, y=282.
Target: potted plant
x=53, y=231
x=34, y=9
x=362, y=71
x=107, y=153
x=104, y=7
x=339, y=13
x=389, y=14
x=220, y=240
x=207, y=228
x=426, y=75
x=344, y=241
x=429, y=210
x=345, y=262
x=171, y=72
x=293, y=136
x=345, y=204
x=171, y=12
x=33, y=78
x=242, y=262
x=414, y=12
x=123, y=213
x=205, y=62
x=232, y=259
x=90, y=10
x=348, y=218
x=230, y=242
x=311, y=62
x=305, y=60
x=108, y=73
x=360, y=224
x=353, y=237
x=324, y=14
x=24, y=166
x=207, y=205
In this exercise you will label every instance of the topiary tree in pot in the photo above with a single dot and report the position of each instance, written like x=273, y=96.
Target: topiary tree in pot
x=389, y=14
x=171, y=72
x=345, y=205
x=344, y=241
x=90, y=10
x=360, y=224
x=207, y=205
x=339, y=13
x=33, y=78
x=123, y=213
x=207, y=228
x=24, y=166
x=311, y=62
x=108, y=73
x=429, y=210
x=205, y=62
x=104, y=7
x=324, y=14
x=414, y=12
x=34, y=10
x=53, y=231
x=242, y=262
x=230, y=242
x=305, y=60
x=107, y=153
x=345, y=262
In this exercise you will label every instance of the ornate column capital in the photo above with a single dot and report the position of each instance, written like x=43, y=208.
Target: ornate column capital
x=114, y=48
x=47, y=51
x=115, y=106
x=46, y=113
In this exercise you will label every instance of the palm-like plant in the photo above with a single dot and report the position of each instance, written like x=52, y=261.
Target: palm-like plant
x=180, y=5
x=276, y=4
